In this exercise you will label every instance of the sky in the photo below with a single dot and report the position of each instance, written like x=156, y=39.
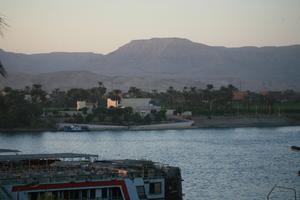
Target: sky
x=101, y=26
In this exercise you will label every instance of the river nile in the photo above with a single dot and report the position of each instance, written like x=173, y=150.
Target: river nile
x=238, y=163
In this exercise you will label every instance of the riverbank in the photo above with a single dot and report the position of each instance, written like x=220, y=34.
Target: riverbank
x=186, y=124
x=21, y=130
x=196, y=122
x=244, y=121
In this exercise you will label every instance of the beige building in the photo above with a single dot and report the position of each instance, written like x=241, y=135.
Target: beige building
x=112, y=103
x=239, y=96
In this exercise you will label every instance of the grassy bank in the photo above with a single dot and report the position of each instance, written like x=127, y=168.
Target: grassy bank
x=245, y=121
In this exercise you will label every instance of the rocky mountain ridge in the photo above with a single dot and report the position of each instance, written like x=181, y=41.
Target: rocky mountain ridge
x=150, y=62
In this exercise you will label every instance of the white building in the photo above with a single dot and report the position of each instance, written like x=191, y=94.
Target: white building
x=84, y=104
x=139, y=105
x=187, y=114
x=28, y=97
x=170, y=112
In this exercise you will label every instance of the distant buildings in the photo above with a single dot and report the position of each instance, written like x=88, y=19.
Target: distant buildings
x=143, y=106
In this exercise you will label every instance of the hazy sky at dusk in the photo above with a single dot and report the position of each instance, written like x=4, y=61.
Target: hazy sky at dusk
x=104, y=25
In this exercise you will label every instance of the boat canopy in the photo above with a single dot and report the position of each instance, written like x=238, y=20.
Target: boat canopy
x=9, y=151
x=22, y=157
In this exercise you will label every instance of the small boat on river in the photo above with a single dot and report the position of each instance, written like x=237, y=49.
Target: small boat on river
x=295, y=148
x=75, y=128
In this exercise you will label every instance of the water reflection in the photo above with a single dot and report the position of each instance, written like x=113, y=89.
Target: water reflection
x=242, y=163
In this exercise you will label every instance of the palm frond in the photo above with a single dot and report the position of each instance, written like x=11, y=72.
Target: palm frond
x=3, y=25
x=2, y=70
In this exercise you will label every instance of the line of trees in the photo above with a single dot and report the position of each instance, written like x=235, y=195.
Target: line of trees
x=26, y=108
x=17, y=112
x=219, y=101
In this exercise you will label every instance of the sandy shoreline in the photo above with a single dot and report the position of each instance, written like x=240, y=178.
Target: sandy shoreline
x=185, y=124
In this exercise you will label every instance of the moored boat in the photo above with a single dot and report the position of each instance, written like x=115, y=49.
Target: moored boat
x=295, y=148
x=82, y=176
x=75, y=128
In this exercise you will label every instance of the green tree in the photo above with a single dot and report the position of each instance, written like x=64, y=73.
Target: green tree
x=147, y=119
x=38, y=95
x=57, y=98
x=76, y=94
x=16, y=112
x=115, y=95
x=135, y=92
x=96, y=93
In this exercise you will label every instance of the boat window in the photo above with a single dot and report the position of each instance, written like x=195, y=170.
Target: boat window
x=93, y=194
x=155, y=188
x=84, y=194
x=116, y=194
x=33, y=196
x=104, y=192
x=66, y=194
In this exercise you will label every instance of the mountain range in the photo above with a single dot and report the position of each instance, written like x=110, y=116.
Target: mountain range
x=157, y=64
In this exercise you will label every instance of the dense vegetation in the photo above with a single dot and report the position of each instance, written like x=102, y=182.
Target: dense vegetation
x=33, y=107
x=220, y=101
x=17, y=112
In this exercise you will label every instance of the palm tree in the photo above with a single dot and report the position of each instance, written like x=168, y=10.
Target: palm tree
x=2, y=24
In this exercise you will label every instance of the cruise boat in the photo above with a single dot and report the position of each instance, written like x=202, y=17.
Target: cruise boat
x=70, y=176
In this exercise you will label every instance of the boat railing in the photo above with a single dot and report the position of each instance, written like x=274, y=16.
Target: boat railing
x=43, y=177
x=55, y=179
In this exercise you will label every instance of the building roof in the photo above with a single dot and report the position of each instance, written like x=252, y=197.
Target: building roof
x=264, y=93
x=136, y=102
x=44, y=156
x=239, y=95
x=9, y=151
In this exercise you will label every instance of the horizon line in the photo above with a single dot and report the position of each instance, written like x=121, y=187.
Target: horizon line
x=153, y=38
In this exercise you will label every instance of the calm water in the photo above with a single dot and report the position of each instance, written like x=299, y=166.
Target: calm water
x=241, y=163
